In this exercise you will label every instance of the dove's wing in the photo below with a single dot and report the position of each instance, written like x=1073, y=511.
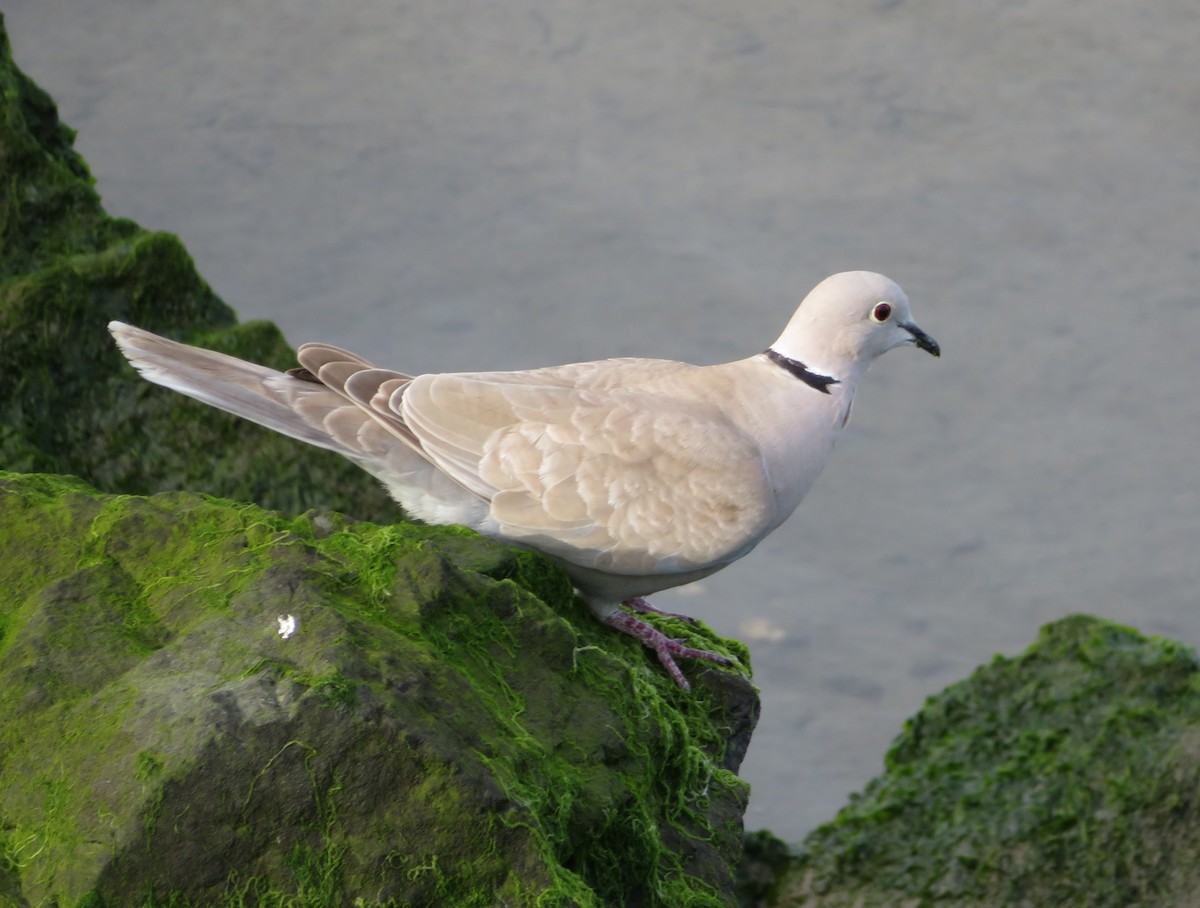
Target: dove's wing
x=626, y=481
x=626, y=484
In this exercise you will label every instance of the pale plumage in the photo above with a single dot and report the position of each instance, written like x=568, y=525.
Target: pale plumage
x=635, y=475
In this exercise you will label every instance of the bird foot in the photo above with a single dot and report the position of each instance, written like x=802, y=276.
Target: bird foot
x=638, y=604
x=664, y=647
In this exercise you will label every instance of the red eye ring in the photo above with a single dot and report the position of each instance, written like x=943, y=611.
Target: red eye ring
x=881, y=312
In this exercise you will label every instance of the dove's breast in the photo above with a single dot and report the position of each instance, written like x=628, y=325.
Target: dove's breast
x=794, y=425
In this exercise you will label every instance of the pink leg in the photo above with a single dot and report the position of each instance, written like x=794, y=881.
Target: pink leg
x=664, y=647
x=638, y=604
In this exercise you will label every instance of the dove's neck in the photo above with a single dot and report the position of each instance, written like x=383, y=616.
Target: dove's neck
x=814, y=380
x=821, y=366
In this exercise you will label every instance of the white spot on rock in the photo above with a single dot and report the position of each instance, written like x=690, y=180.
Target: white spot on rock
x=287, y=625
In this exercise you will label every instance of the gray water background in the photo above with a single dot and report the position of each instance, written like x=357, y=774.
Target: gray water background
x=461, y=185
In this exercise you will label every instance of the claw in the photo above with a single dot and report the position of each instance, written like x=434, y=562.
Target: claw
x=638, y=604
x=664, y=647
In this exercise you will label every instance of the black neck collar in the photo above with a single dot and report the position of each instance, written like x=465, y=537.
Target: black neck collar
x=801, y=371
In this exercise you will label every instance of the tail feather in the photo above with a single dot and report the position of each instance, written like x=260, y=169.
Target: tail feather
x=291, y=406
x=303, y=407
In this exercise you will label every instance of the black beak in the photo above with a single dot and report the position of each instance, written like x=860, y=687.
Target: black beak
x=921, y=339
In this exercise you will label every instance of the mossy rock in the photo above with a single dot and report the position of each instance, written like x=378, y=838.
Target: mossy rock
x=447, y=726
x=1067, y=776
x=69, y=403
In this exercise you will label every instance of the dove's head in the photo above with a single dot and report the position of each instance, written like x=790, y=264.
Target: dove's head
x=848, y=320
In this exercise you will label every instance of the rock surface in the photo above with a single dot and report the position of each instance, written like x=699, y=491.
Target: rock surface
x=447, y=726
x=1068, y=776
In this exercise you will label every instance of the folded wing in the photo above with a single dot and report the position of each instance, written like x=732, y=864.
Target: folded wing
x=628, y=481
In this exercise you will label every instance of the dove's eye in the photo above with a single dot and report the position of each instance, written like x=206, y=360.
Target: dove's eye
x=881, y=312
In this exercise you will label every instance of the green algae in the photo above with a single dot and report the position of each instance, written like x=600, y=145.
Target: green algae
x=68, y=401
x=1069, y=775
x=434, y=733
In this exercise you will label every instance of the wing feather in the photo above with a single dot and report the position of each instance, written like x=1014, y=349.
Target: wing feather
x=631, y=481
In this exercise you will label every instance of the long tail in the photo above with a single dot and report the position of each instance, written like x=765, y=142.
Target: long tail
x=292, y=406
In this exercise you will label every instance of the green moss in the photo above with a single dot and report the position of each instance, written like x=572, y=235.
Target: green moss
x=45, y=183
x=1069, y=775
x=335, y=688
x=523, y=747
